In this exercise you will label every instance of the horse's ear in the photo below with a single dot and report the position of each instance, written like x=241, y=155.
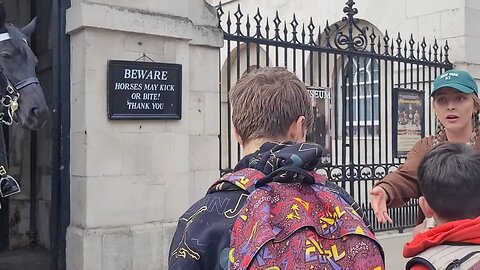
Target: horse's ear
x=29, y=28
x=3, y=15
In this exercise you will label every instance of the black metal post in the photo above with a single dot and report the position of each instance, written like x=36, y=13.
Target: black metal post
x=350, y=11
x=61, y=131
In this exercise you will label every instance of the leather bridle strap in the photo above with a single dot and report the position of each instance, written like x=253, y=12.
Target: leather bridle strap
x=8, y=99
x=10, y=93
x=23, y=83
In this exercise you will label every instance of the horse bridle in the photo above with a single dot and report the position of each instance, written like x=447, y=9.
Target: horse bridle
x=9, y=101
x=10, y=95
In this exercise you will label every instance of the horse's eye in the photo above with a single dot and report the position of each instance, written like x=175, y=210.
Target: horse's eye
x=5, y=54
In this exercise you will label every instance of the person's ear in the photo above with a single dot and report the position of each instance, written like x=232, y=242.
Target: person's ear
x=297, y=131
x=426, y=209
x=237, y=136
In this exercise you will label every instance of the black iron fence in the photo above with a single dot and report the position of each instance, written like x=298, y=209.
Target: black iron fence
x=369, y=91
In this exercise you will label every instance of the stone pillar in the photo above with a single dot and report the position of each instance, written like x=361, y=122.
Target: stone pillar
x=131, y=179
x=471, y=62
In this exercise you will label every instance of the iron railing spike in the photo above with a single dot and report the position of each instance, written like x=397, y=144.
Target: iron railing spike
x=446, y=48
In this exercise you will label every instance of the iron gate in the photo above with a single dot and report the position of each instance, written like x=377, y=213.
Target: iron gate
x=359, y=72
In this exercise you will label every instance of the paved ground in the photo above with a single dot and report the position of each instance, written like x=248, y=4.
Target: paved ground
x=392, y=243
x=25, y=259
x=38, y=259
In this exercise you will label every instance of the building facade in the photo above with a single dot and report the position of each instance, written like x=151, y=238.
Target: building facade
x=130, y=179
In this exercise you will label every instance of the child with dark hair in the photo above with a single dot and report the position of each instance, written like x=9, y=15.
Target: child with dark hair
x=449, y=177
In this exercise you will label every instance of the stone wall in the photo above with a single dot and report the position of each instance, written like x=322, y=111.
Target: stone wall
x=131, y=179
x=471, y=60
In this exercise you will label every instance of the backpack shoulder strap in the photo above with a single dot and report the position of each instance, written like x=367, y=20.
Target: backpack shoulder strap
x=457, y=262
x=448, y=257
x=243, y=179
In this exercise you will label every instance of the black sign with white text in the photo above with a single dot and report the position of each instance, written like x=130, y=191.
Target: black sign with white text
x=144, y=90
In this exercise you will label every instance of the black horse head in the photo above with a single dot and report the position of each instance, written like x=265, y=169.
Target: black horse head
x=17, y=63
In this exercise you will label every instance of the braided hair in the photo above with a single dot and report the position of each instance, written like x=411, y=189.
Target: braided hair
x=441, y=135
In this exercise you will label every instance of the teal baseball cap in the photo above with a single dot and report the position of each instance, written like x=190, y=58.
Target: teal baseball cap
x=457, y=79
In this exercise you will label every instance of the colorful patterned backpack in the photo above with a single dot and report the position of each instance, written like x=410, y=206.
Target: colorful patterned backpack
x=296, y=219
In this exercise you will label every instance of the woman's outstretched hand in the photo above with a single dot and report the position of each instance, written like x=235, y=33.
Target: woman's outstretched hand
x=379, y=199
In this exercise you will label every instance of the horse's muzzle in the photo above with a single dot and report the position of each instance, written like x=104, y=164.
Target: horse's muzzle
x=36, y=118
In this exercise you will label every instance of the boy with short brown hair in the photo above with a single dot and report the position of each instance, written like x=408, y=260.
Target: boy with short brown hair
x=272, y=112
x=266, y=102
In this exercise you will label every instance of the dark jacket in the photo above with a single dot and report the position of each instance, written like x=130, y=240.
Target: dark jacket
x=202, y=238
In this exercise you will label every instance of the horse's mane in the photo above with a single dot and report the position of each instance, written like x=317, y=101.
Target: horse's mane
x=16, y=37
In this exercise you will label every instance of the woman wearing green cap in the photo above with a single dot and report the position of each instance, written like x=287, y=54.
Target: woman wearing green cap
x=457, y=107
